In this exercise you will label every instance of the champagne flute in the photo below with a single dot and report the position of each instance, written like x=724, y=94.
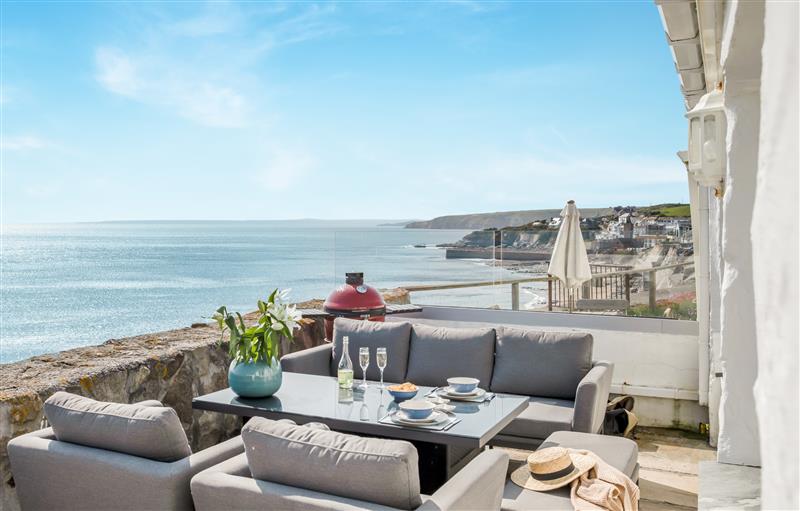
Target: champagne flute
x=363, y=361
x=381, y=358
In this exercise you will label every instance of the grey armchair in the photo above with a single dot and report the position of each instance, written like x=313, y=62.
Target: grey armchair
x=229, y=485
x=57, y=474
x=346, y=472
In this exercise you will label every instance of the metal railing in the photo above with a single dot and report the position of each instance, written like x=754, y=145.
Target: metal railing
x=609, y=283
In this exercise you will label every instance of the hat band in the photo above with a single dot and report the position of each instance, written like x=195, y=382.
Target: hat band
x=554, y=475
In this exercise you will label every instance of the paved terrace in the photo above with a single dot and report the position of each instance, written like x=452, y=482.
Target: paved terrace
x=177, y=365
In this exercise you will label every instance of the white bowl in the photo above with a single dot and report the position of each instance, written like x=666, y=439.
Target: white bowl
x=463, y=385
x=417, y=408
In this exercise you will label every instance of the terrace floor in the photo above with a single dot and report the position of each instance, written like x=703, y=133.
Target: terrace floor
x=669, y=459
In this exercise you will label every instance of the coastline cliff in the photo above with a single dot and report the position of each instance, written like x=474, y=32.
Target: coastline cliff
x=498, y=219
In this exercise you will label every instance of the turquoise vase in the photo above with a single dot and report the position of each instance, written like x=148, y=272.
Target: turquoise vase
x=255, y=379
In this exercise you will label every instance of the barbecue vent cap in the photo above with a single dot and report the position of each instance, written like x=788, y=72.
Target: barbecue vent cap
x=354, y=279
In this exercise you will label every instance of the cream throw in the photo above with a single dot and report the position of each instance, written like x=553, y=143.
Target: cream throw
x=603, y=487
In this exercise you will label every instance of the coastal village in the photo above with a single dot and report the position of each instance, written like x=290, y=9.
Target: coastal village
x=618, y=239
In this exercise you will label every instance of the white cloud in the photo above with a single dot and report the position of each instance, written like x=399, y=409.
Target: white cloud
x=22, y=143
x=522, y=181
x=116, y=72
x=161, y=82
x=284, y=168
x=218, y=18
x=182, y=66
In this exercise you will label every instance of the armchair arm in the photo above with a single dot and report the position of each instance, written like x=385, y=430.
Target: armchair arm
x=215, y=454
x=478, y=486
x=316, y=360
x=150, y=402
x=230, y=486
x=50, y=474
x=592, y=397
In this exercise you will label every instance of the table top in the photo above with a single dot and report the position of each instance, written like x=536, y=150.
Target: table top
x=308, y=398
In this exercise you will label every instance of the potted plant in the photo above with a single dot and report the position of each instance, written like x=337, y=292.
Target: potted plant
x=255, y=370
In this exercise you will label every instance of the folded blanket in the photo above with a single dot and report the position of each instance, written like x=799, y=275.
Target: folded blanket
x=603, y=487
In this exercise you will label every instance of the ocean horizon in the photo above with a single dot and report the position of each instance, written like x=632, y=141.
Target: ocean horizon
x=78, y=284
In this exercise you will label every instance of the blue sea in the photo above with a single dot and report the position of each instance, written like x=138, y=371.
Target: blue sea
x=69, y=285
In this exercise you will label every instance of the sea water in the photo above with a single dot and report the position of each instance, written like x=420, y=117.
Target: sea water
x=69, y=285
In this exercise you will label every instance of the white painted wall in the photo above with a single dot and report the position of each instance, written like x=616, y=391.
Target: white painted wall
x=654, y=359
x=775, y=257
x=738, y=440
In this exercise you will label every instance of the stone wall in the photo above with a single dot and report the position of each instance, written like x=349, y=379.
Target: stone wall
x=172, y=366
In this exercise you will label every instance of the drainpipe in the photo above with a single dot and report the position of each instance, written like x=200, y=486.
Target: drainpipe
x=698, y=202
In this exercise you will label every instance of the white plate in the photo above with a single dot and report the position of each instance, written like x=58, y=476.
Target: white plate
x=479, y=393
x=452, y=392
x=435, y=418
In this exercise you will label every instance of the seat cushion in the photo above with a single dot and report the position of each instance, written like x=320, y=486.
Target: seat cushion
x=439, y=353
x=372, y=334
x=619, y=452
x=153, y=432
x=536, y=363
x=542, y=417
x=370, y=469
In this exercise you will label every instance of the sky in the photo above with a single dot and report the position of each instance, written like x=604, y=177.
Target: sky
x=392, y=110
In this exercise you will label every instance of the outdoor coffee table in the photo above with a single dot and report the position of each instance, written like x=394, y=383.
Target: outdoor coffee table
x=307, y=398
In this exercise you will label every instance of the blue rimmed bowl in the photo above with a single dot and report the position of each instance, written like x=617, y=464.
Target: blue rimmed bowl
x=417, y=409
x=402, y=395
x=463, y=385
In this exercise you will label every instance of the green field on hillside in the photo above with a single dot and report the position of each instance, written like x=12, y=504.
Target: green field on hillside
x=670, y=210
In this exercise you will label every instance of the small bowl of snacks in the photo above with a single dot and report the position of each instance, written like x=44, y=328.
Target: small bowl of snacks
x=403, y=391
x=463, y=385
x=417, y=409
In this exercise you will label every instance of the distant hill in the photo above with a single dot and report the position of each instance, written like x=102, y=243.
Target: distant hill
x=668, y=210
x=499, y=219
x=400, y=223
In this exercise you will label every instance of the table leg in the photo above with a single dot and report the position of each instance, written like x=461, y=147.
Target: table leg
x=440, y=462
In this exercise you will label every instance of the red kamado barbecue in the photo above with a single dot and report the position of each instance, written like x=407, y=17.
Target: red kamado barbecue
x=354, y=300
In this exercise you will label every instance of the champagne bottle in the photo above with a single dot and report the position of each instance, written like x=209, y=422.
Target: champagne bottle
x=345, y=372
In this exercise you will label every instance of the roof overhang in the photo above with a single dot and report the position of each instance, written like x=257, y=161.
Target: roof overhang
x=692, y=30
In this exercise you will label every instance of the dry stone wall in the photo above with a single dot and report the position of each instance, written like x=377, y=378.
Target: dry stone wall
x=172, y=366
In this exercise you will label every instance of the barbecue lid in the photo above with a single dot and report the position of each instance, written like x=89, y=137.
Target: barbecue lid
x=354, y=295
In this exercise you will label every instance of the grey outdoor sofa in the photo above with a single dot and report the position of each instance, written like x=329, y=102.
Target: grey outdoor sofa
x=290, y=467
x=109, y=456
x=568, y=391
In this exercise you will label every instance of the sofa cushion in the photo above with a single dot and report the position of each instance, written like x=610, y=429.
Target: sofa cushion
x=621, y=453
x=439, y=353
x=372, y=334
x=544, y=364
x=153, y=432
x=370, y=469
x=542, y=417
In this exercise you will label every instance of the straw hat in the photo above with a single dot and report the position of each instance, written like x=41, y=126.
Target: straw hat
x=551, y=468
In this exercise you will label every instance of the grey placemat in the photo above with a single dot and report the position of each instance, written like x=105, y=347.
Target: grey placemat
x=432, y=427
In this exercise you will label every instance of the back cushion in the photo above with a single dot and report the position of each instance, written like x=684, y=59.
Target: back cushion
x=439, y=353
x=153, y=432
x=370, y=469
x=372, y=334
x=543, y=364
